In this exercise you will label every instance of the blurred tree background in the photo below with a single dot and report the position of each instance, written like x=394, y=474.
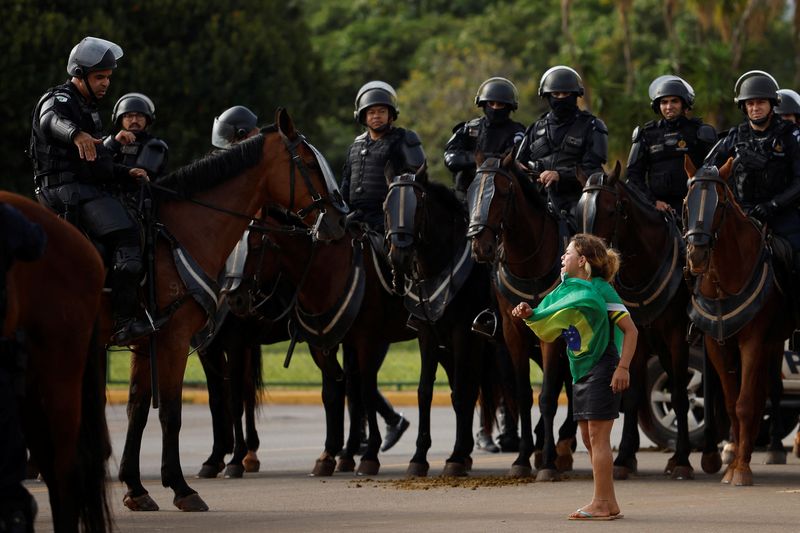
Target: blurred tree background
x=195, y=58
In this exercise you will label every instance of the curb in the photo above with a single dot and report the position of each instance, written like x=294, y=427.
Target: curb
x=303, y=397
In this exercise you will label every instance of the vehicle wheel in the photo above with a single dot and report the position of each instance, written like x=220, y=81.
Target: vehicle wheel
x=656, y=415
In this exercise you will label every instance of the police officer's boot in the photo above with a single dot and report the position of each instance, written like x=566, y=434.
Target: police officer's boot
x=507, y=424
x=125, y=274
x=486, y=323
x=18, y=511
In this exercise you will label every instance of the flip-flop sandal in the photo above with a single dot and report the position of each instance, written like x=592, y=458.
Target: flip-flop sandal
x=617, y=516
x=580, y=514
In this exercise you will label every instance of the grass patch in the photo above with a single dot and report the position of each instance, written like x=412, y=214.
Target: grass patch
x=400, y=370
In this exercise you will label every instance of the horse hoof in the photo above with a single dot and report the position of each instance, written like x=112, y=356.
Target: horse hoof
x=537, y=459
x=728, y=476
x=742, y=478
x=520, y=471
x=345, y=464
x=324, y=467
x=683, y=472
x=251, y=462
x=368, y=467
x=670, y=468
x=234, y=471
x=417, y=469
x=728, y=453
x=454, y=470
x=564, y=455
x=775, y=457
x=209, y=471
x=548, y=474
x=711, y=462
x=140, y=503
x=192, y=503
x=621, y=472
x=468, y=463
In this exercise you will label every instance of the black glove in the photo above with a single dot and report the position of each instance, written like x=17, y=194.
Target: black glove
x=764, y=210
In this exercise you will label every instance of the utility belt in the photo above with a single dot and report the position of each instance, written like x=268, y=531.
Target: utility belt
x=52, y=180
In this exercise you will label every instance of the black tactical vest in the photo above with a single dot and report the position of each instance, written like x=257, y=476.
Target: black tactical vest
x=492, y=140
x=761, y=169
x=667, y=144
x=367, y=159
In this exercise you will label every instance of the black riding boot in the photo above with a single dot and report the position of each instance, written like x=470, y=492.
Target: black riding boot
x=124, y=297
x=507, y=424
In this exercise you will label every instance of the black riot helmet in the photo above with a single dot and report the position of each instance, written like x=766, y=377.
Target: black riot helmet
x=788, y=102
x=560, y=79
x=497, y=90
x=670, y=85
x=232, y=126
x=755, y=84
x=92, y=54
x=133, y=103
x=375, y=93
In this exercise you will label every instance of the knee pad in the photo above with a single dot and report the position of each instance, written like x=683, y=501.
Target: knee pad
x=128, y=260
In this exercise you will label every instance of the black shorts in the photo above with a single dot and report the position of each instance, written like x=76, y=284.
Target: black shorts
x=592, y=398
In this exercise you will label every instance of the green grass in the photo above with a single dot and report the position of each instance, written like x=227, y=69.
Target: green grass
x=400, y=370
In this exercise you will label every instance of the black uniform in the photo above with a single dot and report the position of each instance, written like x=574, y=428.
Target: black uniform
x=550, y=143
x=23, y=240
x=766, y=173
x=147, y=152
x=364, y=186
x=478, y=135
x=655, y=164
x=81, y=190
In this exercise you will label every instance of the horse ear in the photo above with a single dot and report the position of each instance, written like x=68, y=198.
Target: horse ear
x=579, y=174
x=615, y=174
x=421, y=175
x=725, y=170
x=388, y=172
x=285, y=123
x=688, y=166
x=508, y=159
x=480, y=157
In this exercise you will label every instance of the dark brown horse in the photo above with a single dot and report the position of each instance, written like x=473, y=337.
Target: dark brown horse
x=650, y=283
x=276, y=165
x=53, y=303
x=736, y=302
x=511, y=227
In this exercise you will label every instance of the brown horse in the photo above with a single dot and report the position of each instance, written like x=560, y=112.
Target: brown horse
x=736, y=302
x=217, y=197
x=650, y=282
x=510, y=226
x=53, y=303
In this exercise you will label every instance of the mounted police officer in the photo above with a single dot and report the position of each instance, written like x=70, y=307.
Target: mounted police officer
x=766, y=152
x=492, y=134
x=234, y=125
x=655, y=164
x=563, y=139
x=74, y=174
x=133, y=145
x=364, y=186
x=788, y=106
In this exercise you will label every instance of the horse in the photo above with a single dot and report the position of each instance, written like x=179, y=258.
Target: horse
x=650, y=283
x=426, y=228
x=215, y=196
x=52, y=309
x=737, y=302
x=510, y=226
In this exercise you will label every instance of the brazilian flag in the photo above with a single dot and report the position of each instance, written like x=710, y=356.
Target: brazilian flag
x=577, y=311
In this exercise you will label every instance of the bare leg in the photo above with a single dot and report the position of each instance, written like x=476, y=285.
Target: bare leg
x=597, y=438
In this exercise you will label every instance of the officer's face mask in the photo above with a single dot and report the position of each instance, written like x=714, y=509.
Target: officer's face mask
x=563, y=107
x=496, y=116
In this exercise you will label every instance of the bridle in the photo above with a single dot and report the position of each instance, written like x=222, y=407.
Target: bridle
x=587, y=205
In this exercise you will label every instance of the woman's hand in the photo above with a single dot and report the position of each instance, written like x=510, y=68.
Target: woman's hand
x=523, y=310
x=621, y=379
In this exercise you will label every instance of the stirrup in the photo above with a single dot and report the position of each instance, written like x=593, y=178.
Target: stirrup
x=485, y=323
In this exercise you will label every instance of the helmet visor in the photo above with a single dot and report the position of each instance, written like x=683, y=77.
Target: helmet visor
x=91, y=51
x=223, y=134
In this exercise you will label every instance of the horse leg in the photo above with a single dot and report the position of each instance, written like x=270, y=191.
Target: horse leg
x=520, y=347
x=213, y=361
x=711, y=461
x=237, y=353
x=252, y=378
x=626, y=463
x=776, y=454
x=567, y=442
x=548, y=404
x=681, y=467
x=139, y=395
x=467, y=357
x=368, y=366
x=333, y=395
x=722, y=359
x=355, y=410
x=418, y=466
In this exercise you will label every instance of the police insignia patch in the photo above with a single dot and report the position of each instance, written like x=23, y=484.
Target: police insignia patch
x=62, y=98
x=681, y=144
x=778, y=147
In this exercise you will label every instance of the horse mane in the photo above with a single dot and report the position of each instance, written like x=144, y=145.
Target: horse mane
x=639, y=199
x=217, y=167
x=444, y=196
x=532, y=193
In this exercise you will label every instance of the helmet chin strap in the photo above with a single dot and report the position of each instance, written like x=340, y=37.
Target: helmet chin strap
x=761, y=121
x=92, y=97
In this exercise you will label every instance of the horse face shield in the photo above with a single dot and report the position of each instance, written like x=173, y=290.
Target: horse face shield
x=330, y=223
x=700, y=208
x=400, y=207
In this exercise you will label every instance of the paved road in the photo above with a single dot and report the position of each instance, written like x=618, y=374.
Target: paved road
x=283, y=498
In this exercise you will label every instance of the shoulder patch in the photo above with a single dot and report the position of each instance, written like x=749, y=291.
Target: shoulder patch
x=61, y=98
x=474, y=123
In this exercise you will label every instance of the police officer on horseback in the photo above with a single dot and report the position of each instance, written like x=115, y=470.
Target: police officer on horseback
x=766, y=152
x=133, y=145
x=563, y=139
x=492, y=135
x=75, y=175
x=364, y=186
x=655, y=164
x=234, y=125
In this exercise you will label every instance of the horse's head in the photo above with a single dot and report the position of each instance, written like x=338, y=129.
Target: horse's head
x=489, y=197
x=404, y=210
x=704, y=207
x=310, y=189
x=599, y=209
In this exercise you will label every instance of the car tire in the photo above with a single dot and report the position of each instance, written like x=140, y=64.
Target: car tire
x=656, y=415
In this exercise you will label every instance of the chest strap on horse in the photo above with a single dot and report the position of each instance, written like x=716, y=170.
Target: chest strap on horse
x=427, y=299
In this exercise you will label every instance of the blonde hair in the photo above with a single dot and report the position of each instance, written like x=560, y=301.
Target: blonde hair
x=602, y=261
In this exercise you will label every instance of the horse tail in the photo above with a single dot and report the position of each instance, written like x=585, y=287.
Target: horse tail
x=94, y=443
